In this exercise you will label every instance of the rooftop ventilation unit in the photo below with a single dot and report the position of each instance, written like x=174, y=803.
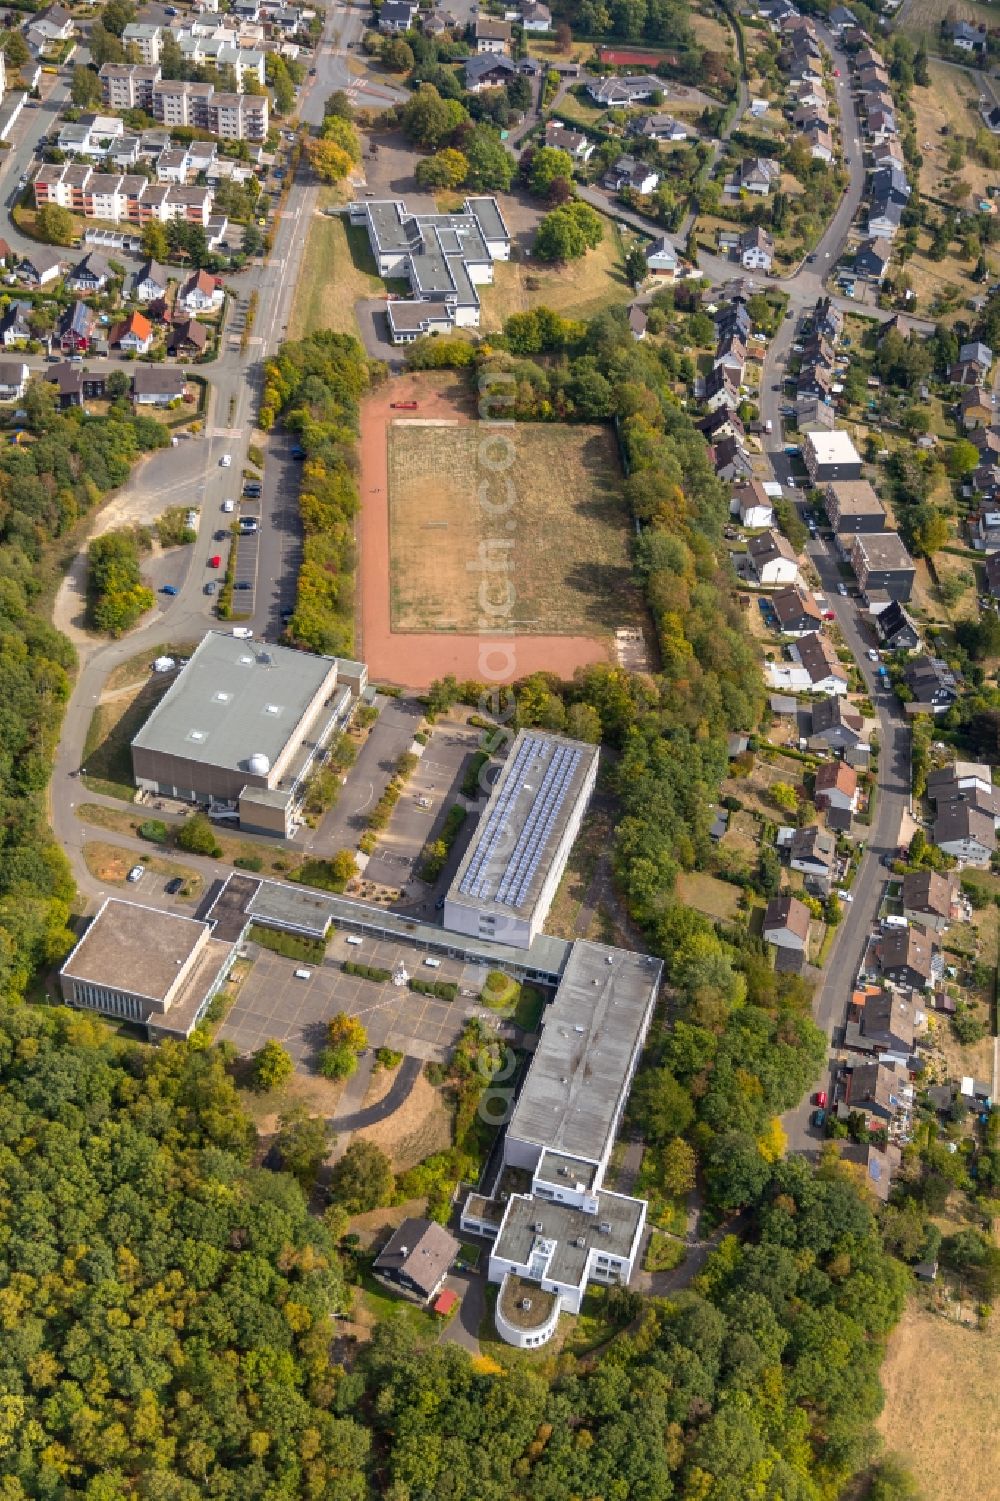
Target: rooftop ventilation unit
x=258, y=764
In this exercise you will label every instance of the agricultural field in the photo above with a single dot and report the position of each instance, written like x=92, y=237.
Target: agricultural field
x=568, y=542
x=711, y=33
x=942, y=1404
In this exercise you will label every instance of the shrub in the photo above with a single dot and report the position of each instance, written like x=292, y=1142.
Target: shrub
x=154, y=829
x=328, y=875
x=197, y=836
x=436, y=852
x=387, y=1058
x=337, y=1063
x=366, y=972
x=289, y=945
x=441, y=990
x=249, y=862
x=471, y=786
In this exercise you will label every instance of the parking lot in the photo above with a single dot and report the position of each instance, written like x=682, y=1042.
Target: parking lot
x=431, y=791
x=272, y=1002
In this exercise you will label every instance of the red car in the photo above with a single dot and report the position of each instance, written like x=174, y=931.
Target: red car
x=821, y=1098
x=215, y=562
x=829, y=615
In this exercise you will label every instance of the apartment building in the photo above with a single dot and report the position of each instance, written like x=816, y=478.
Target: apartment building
x=118, y=198
x=148, y=41
x=128, y=85
x=199, y=106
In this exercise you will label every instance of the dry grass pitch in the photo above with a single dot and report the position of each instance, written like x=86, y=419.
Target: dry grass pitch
x=942, y=1404
x=564, y=536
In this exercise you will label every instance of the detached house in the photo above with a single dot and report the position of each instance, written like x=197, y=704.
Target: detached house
x=906, y=957
x=836, y=786
x=772, y=559
x=151, y=282
x=825, y=673
x=881, y=1092
x=201, y=293
x=756, y=175
x=630, y=175
x=89, y=275
x=751, y=503
x=134, y=334
x=573, y=142
x=928, y=899
x=13, y=379
x=417, y=1259
x=786, y=923
x=813, y=851
x=492, y=35
x=896, y=629
x=76, y=331
x=932, y=683
x=834, y=726
x=871, y=260
x=966, y=831
x=756, y=249
x=731, y=460
x=661, y=258
x=796, y=612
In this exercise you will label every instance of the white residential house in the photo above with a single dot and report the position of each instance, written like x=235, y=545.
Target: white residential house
x=772, y=559
x=661, y=258
x=151, y=282
x=752, y=505
x=756, y=249
x=13, y=379
x=201, y=293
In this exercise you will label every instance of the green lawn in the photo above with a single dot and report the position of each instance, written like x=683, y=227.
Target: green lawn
x=382, y=1305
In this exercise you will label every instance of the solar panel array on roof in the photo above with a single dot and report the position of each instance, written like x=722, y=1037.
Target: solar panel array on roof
x=529, y=846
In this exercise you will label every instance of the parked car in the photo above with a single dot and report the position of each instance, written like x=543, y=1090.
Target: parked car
x=243, y=584
x=211, y=586
x=168, y=589
x=215, y=561
x=819, y=1119
x=842, y=589
x=174, y=885
x=226, y=462
x=821, y=1097
x=136, y=873
x=229, y=506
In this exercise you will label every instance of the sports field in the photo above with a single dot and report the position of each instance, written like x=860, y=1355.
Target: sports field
x=560, y=534
x=433, y=494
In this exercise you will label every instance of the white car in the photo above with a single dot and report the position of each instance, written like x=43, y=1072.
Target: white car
x=229, y=506
x=872, y=654
x=136, y=873
x=226, y=461
x=842, y=589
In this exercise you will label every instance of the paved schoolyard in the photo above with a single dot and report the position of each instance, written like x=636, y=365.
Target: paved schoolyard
x=272, y=1002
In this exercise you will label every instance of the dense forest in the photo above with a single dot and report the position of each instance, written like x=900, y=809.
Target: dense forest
x=166, y=1311
x=47, y=484
x=315, y=387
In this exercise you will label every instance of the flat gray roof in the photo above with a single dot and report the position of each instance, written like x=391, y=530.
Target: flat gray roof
x=557, y=1168
x=309, y=911
x=884, y=550
x=571, y=1093
x=532, y=801
x=232, y=700
x=562, y=1230
x=134, y=948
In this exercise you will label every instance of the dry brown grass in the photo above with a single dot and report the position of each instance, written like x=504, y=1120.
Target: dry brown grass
x=420, y=1127
x=580, y=289
x=925, y=16
x=708, y=894
x=711, y=33
x=942, y=1404
x=137, y=669
x=950, y=100
x=568, y=549
x=110, y=863
x=337, y=271
x=319, y=1096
